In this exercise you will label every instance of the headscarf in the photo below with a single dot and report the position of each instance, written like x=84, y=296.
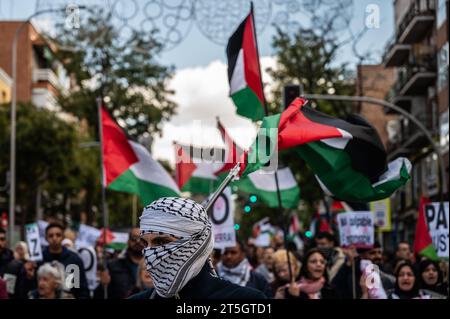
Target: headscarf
x=414, y=292
x=438, y=286
x=239, y=275
x=173, y=264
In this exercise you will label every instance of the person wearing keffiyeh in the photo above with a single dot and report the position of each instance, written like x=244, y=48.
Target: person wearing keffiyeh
x=177, y=239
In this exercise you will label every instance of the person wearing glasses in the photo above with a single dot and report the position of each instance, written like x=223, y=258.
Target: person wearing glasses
x=122, y=274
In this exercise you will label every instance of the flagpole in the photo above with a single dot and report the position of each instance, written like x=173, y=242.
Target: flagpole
x=280, y=204
x=207, y=204
x=102, y=183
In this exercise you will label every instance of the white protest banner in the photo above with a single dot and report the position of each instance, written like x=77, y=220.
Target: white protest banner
x=42, y=225
x=222, y=220
x=89, y=258
x=87, y=236
x=34, y=242
x=382, y=214
x=356, y=229
x=436, y=215
x=10, y=280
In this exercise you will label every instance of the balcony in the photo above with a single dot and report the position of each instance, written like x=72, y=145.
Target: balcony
x=396, y=54
x=46, y=75
x=410, y=138
x=393, y=97
x=417, y=21
x=415, y=78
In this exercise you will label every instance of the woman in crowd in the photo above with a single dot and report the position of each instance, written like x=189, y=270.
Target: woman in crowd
x=431, y=278
x=50, y=278
x=313, y=283
x=21, y=251
x=407, y=283
x=281, y=271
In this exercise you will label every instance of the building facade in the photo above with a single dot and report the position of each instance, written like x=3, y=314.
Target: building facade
x=418, y=54
x=40, y=76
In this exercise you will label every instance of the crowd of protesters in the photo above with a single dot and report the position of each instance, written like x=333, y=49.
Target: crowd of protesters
x=319, y=270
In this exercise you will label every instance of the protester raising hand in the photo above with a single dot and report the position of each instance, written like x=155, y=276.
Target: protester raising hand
x=351, y=255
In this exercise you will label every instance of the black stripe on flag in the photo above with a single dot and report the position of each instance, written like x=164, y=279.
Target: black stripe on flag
x=234, y=46
x=366, y=150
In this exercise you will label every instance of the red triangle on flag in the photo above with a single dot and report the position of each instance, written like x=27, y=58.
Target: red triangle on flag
x=184, y=166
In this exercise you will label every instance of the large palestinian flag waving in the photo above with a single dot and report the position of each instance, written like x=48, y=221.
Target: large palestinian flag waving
x=244, y=73
x=129, y=167
x=348, y=158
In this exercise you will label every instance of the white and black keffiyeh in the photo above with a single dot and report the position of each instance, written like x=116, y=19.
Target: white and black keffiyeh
x=239, y=275
x=172, y=265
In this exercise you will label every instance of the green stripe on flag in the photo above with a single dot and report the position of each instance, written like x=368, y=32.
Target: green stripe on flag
x=200, y=185
x=147, y=191
x=289, y=197
x=333, y=167
x=429, y=252
x=264, y=147
x=248, y=104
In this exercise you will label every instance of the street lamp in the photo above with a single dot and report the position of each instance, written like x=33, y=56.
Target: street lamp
x=12, y=185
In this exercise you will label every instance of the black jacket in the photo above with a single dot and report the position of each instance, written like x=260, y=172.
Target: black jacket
x=68, y=257
x=258, y=282
x=123, y=273
x=343, y=281
x=206, y=286
x=6, y=256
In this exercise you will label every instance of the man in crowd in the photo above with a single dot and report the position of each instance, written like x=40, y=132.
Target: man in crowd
x=236, y=268
x=326, y=243
x=54, y=235
x=178, y=241
x=266, y=267
x=6, y=254
x=122, y=273
x=343, y=281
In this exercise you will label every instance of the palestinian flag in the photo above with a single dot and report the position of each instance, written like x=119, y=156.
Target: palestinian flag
x=114, y=240
x=129, y=167
x=294, y=225
x=244, y=72
x=423, y=244
x=232, y=151
x=348, y=157
x=194, y=174
x=263, y=185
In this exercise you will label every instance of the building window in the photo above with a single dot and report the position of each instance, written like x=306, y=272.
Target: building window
x=441, y=13
x=444, y=136
x=443, y=66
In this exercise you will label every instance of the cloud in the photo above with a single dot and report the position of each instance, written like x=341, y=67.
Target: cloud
x=202, y=95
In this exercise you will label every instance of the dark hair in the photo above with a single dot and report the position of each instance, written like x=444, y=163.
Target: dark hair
x=304, y=270
x=241, y=245
x=414, y=292
x=423, y=264
x=217, y=253
x=2, y=231
x=53, y=225
x=326, y=235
